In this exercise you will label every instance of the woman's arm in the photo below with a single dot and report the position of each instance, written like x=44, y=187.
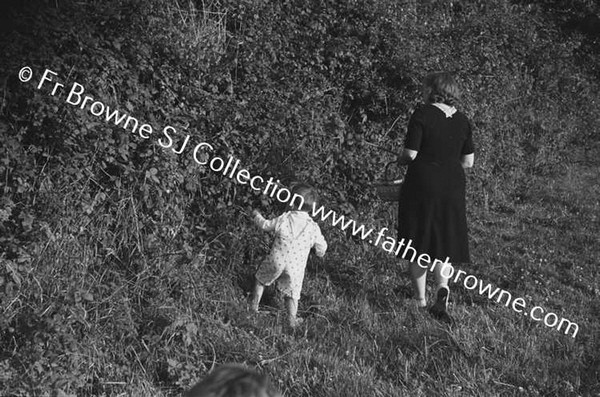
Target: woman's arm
x=466, y=160
x=407, y=156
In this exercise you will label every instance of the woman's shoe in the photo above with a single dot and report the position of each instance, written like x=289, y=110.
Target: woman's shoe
x=439, y=309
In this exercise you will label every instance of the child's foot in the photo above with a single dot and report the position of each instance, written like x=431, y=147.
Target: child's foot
x=253, y=306
x=296, y=322
x=439, y=310
x=255, y=311
x=420, y=303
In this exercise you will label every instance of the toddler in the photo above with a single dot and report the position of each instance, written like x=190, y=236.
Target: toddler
x=295, y=234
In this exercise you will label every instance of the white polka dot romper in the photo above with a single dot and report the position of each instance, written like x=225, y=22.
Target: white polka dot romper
x=295, y=234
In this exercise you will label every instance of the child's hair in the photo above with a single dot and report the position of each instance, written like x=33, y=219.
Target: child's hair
x=303, y=197
x=443, y=86
x=233, y=380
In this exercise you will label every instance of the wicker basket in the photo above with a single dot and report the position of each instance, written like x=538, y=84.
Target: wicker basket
x=388, y=189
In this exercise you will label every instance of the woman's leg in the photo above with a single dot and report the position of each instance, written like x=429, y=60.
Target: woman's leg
x=442, y=276
x=418, y=276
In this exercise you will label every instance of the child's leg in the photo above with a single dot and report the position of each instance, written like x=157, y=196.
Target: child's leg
x=267, y=273
x=257, y=295
x=418, y=276
x=291, y=305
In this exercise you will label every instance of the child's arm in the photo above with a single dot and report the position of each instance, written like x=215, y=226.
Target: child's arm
x=264, y=224
x=320, y=244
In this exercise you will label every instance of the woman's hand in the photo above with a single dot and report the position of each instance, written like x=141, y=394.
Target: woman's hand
x=467, y=160
x=407, y=156
x=255, y=213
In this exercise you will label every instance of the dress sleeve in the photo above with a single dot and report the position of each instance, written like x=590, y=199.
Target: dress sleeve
x=414, y=133
x=320, y=243
x=268, y=225
x=468, y=145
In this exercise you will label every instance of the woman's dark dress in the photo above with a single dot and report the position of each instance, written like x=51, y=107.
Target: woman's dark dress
x=432, y=210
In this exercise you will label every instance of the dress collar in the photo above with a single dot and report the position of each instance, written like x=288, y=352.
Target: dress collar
x=448, y=110
x=300, y=214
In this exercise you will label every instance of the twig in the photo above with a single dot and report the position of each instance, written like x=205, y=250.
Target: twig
x=212, y=366
x=393, y=124
x=380, y=147
x=504, y=384
x=270, y=360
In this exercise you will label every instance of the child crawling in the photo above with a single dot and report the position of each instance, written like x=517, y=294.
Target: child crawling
x=295, y=234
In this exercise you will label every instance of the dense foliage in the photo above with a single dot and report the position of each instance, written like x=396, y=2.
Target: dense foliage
x=122, y=264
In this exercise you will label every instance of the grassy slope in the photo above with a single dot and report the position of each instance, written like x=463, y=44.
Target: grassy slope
x=91, y=304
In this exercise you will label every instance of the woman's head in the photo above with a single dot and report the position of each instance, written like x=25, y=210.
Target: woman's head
x=440, y=87
x=233, y=380
x=303, y=197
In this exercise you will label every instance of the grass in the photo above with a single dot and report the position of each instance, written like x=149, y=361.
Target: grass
x=98, y=327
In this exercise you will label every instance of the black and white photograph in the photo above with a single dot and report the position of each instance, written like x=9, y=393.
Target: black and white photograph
x=299, y=198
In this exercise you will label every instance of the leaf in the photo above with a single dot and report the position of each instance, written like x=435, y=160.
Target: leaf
x=26, y=221
x=172, y=363
x=87, y=296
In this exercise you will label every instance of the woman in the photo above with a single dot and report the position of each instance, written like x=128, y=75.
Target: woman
x=432, y=213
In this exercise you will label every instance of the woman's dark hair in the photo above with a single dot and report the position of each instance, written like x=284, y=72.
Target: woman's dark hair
x=442, y=88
